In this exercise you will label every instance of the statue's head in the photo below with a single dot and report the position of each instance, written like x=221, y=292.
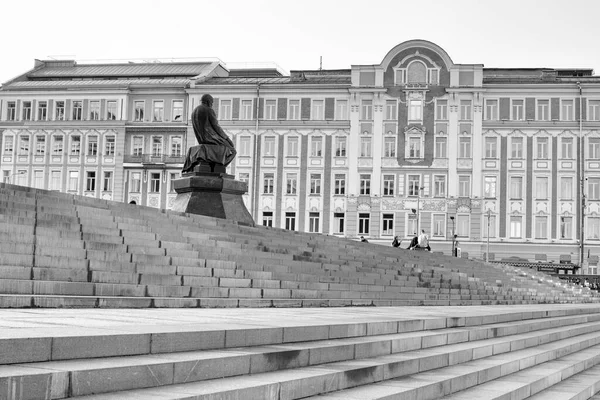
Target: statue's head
x=207, y=99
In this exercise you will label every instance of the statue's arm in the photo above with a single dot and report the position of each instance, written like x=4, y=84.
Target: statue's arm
x=212, y=119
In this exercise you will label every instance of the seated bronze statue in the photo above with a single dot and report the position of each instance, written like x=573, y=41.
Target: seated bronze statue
x=214, y=149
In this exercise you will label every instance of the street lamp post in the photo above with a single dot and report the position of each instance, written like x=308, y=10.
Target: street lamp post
x=418, y=207
x=453, y=236
x=487, y=252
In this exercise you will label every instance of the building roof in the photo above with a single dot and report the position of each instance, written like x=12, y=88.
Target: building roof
x=296, y=77
x=73, y=70
x=115, y=83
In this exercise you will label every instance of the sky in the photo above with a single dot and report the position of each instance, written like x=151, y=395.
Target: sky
x=295, y=34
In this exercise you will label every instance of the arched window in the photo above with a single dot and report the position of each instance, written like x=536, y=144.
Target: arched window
x=417, y=72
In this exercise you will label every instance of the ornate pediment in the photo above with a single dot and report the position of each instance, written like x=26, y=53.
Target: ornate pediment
x=415, y=130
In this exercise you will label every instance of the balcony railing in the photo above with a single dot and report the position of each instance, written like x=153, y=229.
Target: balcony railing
x=154, y=159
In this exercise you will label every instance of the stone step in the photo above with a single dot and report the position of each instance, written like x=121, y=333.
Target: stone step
x=413, y=369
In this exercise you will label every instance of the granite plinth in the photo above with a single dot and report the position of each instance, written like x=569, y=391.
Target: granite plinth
x=214, y=195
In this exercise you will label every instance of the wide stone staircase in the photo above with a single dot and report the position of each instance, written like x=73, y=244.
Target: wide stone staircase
x=59, y=250
x=102, y=300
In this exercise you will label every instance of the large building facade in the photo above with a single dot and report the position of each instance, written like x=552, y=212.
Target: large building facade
x=505, y=159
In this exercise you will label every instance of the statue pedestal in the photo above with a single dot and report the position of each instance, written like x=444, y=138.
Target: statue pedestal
x=214, y=194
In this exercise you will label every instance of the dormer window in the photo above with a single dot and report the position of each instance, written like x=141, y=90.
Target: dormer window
x=417, y=72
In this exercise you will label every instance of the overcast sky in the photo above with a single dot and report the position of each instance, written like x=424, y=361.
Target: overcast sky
x=294, y=34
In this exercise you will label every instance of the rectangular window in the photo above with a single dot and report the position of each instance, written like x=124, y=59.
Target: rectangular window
x=176, y=146
x=340, y=184
x=11, y=111
x=489, y=187
x=246, y=111
x=566, y=110
x=92, y=149
x=464, y=147
x=59, y=113
x=566, y=227
x=294, y=110
x=75, y=145
x=464, y=186
x=94, y=110
x=516, y=149
x=567, y=148
x=439, y=225
x=341, y=110
x=389, y=185
x=138, y=114
x=90, y=181
x=8, y=144
x=411, y=225
x=157, y=146
x=158, y=111
x=136, y=182
x=177, y=112
x=24, y=145
x=441, y=109
x=593, y=228
x=268, y=182
x=541, y=188
x=292, y=183
x=389, y=146
x=318, y=112
x=111, y=110
x=363, y=223
x=73, y=180
x=542, y=148
x=155, y=182
x=515, y=226
x=225, y=110
x=541, y=227
x=138, y=146
x=391, y=110
x=492, y=228
x=42, y=110
x=414, y=147
x=269, y=146
x=270, y=109
x=172, y=178
x=593, y=110
x=109, y=146
x=441, y=146
x=267, y=218
x=315, y=183
x=365, y=184
x=40, y=145
x=365, y=146
x=316, y=146
x=491, y=110
x=338, y=223
x=594, y=148
x=77, y=110
x=26, y=111
x=466, y=110
x=518, y=113
x=107, y=181
x=313, y=222
x=439, y=186
x=414, y=185
x=340, y=146
x=462, y=225
x=292, y=146
x=55, y=180
x=387, y=224
x=593, y=188
x=38, y=179
x=566, y=188
x=491, y=147
x=415, y=110
x=516, y=187
x=366, y=110
x=290, y=221
x=245, y=146
x=543, y=110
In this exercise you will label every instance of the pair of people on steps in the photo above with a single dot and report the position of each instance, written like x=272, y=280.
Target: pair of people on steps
x=420, y=242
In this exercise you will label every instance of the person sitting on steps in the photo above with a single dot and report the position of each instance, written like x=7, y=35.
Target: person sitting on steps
x=423, y=241
x=396, y=242
x=413, y=243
